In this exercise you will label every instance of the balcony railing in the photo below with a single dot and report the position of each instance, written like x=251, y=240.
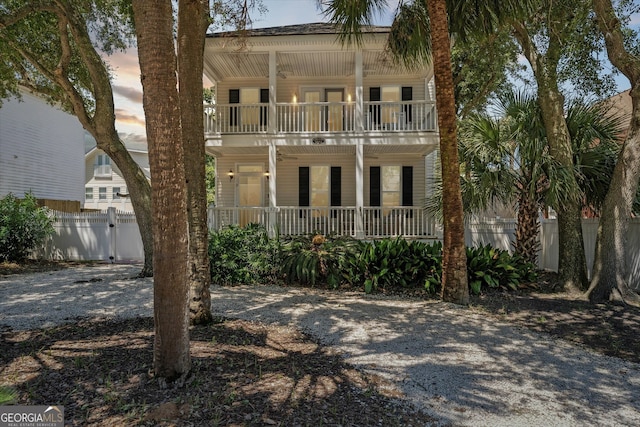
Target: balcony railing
x=376, y=222
x=321, y=117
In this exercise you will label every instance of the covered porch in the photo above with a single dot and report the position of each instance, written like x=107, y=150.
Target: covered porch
x=342, y=186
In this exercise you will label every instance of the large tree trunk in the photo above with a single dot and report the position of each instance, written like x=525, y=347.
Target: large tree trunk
x=154, y=31
x=192, y=26
x=610, y=271
x=454, y=259
x=571, y=258
x=572, y=265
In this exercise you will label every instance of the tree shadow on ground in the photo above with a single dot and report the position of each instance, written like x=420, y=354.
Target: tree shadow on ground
x=243, y=373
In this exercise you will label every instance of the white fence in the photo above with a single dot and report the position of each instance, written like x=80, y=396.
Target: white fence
x=501, y=234
x=114, y=236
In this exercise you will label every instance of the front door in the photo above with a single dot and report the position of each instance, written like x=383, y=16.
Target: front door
x=250, y=193
x=313, y=112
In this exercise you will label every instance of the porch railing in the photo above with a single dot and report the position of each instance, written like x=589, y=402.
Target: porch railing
x=321, y=117
x=376, y=222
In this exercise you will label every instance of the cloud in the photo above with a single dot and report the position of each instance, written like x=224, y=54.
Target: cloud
x=131, y=93
x=133, y=138
x=125, y=116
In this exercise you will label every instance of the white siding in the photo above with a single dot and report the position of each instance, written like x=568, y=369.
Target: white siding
x=287, y=176
x=116, y=180
x=41, y=150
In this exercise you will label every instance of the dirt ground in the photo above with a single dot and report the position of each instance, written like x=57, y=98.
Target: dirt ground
x=249, y=374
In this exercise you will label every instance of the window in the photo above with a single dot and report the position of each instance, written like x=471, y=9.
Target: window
x=102, y=167
x=88, y=193
x=114, y=193
x=102, y=193
x=319, y=185
x=390, y=112
x=391, y=188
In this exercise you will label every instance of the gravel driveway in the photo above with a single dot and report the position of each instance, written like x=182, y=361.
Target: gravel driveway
x=461, y=367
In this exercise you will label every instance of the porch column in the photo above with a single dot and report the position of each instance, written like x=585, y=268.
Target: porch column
x=359, y=118
x=273, y=74
x=272, y=211
x=359, y=221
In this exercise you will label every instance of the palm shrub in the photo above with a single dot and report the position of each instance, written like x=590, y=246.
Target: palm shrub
x=488, y=267
x=315, y=259
x=243, y=255
x=393, y=263
x=23, y=227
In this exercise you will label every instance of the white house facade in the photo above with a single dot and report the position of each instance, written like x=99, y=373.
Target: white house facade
x=313, y=136
x=41, y=151
x=104, y=185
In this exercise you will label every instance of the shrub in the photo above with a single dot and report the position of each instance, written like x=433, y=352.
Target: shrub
x=23, y=227
x=493, y=268
x=315, y=259
x=240, y=255
x=389, y=263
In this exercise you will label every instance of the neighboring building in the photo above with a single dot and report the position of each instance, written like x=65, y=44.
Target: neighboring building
x=313, y=136
x=41, y=151
x=104, y=185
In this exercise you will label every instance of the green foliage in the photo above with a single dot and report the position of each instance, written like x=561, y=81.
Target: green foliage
x=242, y=256
x=493, y=268
x=315, y=259
x=210, y=179
x=23, y=226
x=389, y=263
x=8, y=396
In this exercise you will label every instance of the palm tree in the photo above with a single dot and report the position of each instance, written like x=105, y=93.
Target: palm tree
x=421, y=32
x=508, y=160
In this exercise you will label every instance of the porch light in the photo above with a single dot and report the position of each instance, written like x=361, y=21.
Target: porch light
x=349, y=97
x=295, y=98
x=266, y=174
x=230, y=174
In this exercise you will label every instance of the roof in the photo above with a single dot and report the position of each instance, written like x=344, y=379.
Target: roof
x=298, y=29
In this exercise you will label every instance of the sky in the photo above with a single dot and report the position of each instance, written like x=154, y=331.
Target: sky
x=128, y=90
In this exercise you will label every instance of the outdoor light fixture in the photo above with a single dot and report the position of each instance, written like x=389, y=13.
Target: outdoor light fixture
x=230, y=174
x=266, y=174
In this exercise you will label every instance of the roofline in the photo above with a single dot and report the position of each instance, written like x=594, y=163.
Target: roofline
x=314, y=28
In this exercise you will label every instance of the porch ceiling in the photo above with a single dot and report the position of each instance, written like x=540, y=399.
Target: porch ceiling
x=242, y=65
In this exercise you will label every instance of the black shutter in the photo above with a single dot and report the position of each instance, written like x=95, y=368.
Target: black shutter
x=374, y=110
x=336, y=188
x=407, y=187
x=303, y=187
x=374, y=186
x=234, y=98
x=264, y=99
x=407, y=95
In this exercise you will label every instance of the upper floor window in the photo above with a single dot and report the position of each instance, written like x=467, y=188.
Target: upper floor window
x=115, y=193
x=102, y=166
x=102, y=193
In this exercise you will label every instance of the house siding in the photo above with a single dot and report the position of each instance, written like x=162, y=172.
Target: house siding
x=287, y=176
x=41, y=150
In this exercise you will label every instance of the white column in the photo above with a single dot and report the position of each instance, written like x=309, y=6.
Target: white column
x=273, y=74
x=273, y=200
x=359, y=225
x=359, y=119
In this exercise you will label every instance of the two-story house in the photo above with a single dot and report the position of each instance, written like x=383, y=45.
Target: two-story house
x=104, y=185
x=310, y=135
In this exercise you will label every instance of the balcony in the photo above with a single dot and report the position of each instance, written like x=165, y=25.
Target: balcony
x=366, y=223
x=322, y=117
